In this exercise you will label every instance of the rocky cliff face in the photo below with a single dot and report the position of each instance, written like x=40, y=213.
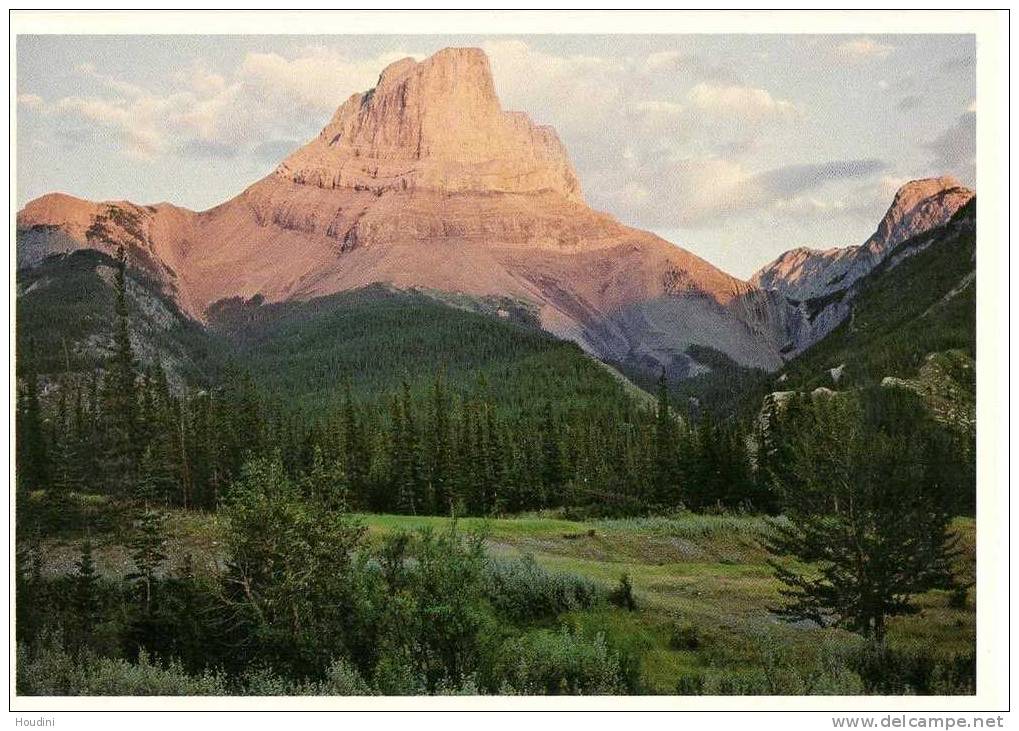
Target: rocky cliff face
x=435, y=125
x=425, y=182
x=918, y=206
x=819, y=285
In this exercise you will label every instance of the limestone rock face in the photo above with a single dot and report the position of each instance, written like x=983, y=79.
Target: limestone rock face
x=820, y=286
x=425, y=182
x=918, y=206
x=435, y=125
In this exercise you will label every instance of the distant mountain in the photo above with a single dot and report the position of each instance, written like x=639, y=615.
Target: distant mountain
x=919, y=206
x=919, y=301
x=818, y=285
x=425, y=182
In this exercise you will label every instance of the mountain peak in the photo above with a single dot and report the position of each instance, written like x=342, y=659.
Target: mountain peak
x=434, y=125
x=918, y=206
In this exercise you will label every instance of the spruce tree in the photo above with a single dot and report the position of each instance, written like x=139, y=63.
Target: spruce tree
x=665, y=465
x=121, y=393
x=147, y=554
x=355, y=451
x=86, y=593
x=439, y=451
x=869, y=521
x=414, y=486
x=553, y=472
x=32, y=449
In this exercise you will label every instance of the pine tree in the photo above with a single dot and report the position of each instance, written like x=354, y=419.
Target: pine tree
x=86, y=593
x=869, y=514
x=147, y=553
x=665, y=462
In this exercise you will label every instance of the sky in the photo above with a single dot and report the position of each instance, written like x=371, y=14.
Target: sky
x=736, y=147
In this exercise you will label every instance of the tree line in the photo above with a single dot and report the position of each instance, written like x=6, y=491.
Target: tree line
x=123, y=432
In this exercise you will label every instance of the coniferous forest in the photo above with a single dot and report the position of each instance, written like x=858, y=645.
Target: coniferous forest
x=356, y=484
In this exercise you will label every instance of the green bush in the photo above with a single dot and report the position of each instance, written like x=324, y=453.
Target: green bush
x=887, y=671
x=543, y=662
x=523, y=591
x=622, y=595
x=685, y=638
x=46, y=669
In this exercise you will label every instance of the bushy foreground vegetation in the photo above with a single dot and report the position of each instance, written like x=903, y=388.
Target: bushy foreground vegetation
x=306, y=604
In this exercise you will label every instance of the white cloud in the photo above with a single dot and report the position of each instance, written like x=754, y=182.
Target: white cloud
x=267, y=97
x=860, y=49
x=702, y=191
x=954, y=150
x=120, y=86
x=321, y=78
x=572, y=92
x=744, y=102
x=662, y=60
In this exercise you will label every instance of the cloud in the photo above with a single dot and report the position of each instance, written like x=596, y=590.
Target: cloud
x=958, y=63
x=664, y=60
x=790, y=180
x=321, y=78
x=125, y=88
x=209, y=115
x=909, y=102
x=743, y=102
x=538, y=82
x=31, y=101
x=208, y=149
x=862, y=49
x=697, y=192
x=954, y=150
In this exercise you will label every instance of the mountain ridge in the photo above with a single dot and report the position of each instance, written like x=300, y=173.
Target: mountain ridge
x=413, y=200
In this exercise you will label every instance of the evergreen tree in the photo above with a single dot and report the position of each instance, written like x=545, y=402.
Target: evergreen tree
x=438, y=440
x=665, y=477
x=33, y=457
x=355, y=451
x=553, y=472
x=413, y=488
x=121, y=393
x=86, y=592
x=147, y=554
x=869, y=515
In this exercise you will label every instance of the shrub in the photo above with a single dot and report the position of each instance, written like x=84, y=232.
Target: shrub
x=685, y=638
x=46, y=669
x=524, y=592
x=885, y=671
x=544, y=662
x=622, y=596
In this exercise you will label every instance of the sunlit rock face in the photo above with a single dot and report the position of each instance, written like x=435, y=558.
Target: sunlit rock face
x=426, y=182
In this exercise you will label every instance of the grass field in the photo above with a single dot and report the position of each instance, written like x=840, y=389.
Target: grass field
x=703, y=588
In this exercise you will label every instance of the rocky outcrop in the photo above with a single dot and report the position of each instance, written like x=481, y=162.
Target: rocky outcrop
x=819, y=286
x=919, y=206
x=435, y=125
x=425, y=182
